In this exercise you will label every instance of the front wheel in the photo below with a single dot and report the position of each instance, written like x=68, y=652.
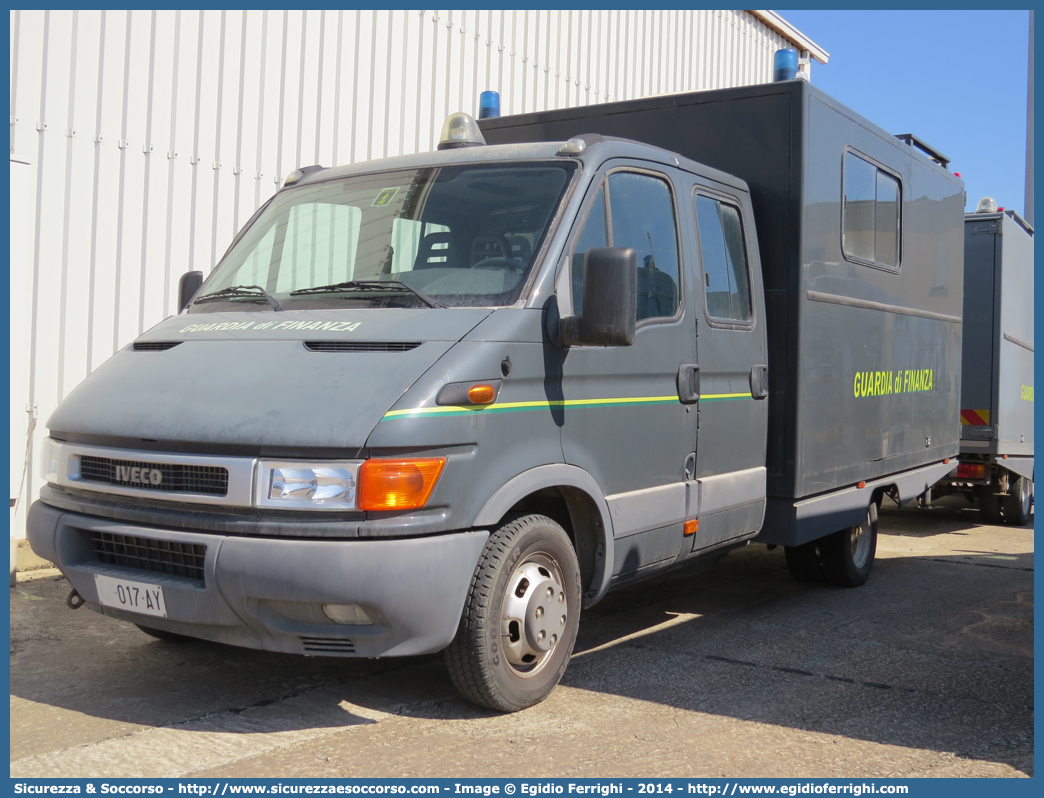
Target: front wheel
x=848, y=555
x=520, y=617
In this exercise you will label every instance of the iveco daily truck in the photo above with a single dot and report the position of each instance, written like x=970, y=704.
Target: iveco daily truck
x=447, y=400
x=995, y=468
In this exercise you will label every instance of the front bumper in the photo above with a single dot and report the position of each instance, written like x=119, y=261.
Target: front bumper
x=268, y=593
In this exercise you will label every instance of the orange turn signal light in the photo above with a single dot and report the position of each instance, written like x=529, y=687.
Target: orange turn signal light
x=398, y=484
x=692, y=526
x=481, y=393
x=861, y=485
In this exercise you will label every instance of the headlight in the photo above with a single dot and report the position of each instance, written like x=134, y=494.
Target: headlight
x=307, y=486
x=50, y=457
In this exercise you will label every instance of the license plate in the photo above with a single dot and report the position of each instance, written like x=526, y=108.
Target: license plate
x=134, y=596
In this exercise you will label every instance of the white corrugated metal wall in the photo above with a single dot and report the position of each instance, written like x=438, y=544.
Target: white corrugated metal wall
x=142, y=140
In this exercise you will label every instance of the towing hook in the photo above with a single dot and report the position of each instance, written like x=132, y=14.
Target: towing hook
x=74, y=600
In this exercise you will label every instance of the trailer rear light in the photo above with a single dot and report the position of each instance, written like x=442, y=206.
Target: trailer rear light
x=398, y=484
x=971, y=471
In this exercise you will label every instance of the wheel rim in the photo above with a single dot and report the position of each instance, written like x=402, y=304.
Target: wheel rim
x=535, y=615
x=861, y=537
x=1024, y=495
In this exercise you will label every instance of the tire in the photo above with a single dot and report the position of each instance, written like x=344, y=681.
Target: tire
x=1016, y=505
x=504, y=657
x=165, y=636
x=989, y=505
x=848, y=555
x=804, y=564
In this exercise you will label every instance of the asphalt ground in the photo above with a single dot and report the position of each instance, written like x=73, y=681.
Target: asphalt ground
x=737, y=671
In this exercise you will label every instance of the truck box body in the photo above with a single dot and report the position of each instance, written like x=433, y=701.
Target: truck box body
x=864, y=357
x=997, y=367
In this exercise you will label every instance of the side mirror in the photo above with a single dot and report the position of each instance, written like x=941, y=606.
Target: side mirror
x=610, y=300
x=187, y=288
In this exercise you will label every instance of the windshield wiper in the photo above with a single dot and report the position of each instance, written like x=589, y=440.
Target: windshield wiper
x=367, y=285
x=253, y=292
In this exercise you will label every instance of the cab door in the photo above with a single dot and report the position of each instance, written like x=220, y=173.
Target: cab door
x=621, y=416
x=733, y=404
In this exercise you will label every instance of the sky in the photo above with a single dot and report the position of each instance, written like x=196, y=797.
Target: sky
x=955, y=79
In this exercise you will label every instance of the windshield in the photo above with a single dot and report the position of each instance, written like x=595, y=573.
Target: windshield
x=449, y=236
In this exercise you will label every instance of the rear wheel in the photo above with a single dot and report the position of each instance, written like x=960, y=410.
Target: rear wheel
x=520, y=618
x=1016, y=505
x=848, y=555
x=803, y=562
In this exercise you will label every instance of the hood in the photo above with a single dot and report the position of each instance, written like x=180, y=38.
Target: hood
x=298, y=379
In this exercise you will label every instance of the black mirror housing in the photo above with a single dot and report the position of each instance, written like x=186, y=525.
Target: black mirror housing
x=610, y=300
x=187, y=288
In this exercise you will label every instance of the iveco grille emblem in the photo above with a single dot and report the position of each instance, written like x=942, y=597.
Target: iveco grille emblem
x=146, y=476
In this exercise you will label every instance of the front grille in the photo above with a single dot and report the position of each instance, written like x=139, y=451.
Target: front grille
x=361, y=346
x=154, y=346
x=173, y=478
x=145, y=554
x=328, y=645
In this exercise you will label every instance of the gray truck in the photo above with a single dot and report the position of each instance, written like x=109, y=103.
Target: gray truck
x=995, y=467
x=447, y=400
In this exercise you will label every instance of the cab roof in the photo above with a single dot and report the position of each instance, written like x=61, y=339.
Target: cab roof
x=599, y=150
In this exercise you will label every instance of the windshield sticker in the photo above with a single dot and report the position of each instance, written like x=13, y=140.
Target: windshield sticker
x=329, y=326
x=385, y=197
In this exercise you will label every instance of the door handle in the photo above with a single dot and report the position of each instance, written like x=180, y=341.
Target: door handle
x=759, y=382
x=689, y=384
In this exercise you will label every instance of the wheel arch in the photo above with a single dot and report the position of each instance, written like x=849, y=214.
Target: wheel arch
x=547, y=488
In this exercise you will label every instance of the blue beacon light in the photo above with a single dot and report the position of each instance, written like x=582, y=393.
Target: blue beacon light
x=489, y=105
x=785, y=65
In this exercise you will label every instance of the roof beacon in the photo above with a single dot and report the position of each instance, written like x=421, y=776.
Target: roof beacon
x=785, y=64
x=489, y=105
x=460, y=130
x=987, y=205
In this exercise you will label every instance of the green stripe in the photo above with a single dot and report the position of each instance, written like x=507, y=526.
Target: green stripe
x=528, y=407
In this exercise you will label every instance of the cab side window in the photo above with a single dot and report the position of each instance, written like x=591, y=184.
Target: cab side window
x=641, y=216
x=726, y=273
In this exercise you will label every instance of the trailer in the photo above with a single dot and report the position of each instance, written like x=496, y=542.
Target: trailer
x=996, y=453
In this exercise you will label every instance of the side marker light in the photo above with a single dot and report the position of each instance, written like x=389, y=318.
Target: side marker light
x=482, y=393
x=692, y=526
x=861, y=485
